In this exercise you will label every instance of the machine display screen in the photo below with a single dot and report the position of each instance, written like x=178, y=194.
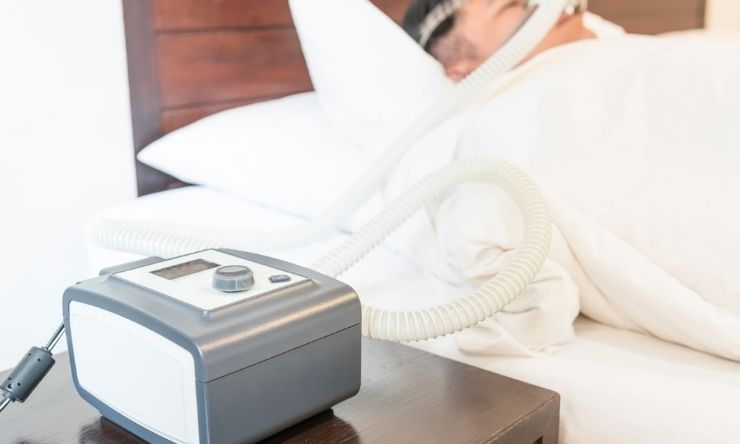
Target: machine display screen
x=184, y=269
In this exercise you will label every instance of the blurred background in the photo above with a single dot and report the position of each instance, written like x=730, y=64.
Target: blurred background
x=66, y=146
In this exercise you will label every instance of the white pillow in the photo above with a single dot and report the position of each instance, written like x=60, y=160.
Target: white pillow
x=282, y=153
x=373, y=79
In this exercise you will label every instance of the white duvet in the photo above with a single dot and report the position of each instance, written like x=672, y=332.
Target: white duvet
x=616, y=386
x=636, y=142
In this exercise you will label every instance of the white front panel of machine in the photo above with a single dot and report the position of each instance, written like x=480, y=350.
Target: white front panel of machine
x=135, y=371
x=189, y=279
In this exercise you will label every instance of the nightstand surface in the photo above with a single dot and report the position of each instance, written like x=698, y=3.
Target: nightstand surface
x=407, y=396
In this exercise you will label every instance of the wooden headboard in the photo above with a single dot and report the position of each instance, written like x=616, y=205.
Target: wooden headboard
x=191, y=58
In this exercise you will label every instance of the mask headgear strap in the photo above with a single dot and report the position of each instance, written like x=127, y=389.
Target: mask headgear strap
x=447, y=9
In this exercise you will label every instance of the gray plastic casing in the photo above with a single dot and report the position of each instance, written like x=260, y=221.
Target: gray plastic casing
x=260, y=383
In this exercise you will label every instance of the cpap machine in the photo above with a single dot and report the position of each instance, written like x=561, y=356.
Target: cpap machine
x=217, y=345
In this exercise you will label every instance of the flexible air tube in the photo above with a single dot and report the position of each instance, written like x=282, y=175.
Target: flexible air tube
x=424, y=323
x=489, y=298
x=167, y=239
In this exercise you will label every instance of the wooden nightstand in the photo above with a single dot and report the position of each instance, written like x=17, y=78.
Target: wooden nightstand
x=407, y=396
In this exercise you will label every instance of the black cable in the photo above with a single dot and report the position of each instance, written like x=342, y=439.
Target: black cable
x=29, y=372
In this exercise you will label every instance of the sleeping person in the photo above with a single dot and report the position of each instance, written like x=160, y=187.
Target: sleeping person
x=464, y=34
x=633, y=140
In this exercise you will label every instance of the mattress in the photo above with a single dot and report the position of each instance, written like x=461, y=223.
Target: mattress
x=616, y=386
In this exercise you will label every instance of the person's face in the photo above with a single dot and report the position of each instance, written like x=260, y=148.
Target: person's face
x=481, y=27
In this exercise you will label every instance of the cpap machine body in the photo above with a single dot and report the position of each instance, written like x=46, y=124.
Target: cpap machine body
x=161, y=352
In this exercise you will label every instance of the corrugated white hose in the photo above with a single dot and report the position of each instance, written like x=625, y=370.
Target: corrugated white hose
x=485, y=301
x=432, y=322
x=168, y=240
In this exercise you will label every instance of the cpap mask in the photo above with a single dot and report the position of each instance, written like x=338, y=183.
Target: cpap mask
x=124, y=292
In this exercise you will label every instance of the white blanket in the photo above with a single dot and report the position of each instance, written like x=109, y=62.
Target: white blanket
x=636, y=141
x=616, y=386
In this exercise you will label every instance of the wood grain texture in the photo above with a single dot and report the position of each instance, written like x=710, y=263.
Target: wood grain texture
x=406, y=396
x=218, y=66
x=241, y=51
x=144, y=91
x=637, y=24
x=609, y=8
x=179, y=15
x=653, y=16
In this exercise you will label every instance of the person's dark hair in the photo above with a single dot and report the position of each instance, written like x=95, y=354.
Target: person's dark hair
x=415, y=15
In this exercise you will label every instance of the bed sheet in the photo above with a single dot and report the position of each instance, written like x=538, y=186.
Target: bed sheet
x=616, y=386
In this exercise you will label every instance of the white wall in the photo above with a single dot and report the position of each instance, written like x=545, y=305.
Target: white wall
x=723, y=15
x=65, y=150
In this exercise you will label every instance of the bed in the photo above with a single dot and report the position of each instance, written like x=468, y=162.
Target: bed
x=189, y=59
x=616, y=386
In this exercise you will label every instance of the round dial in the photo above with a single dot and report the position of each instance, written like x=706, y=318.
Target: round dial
x=233, y=278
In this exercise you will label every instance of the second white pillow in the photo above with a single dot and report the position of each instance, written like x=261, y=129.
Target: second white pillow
x=371, y=77
x=282, y=153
